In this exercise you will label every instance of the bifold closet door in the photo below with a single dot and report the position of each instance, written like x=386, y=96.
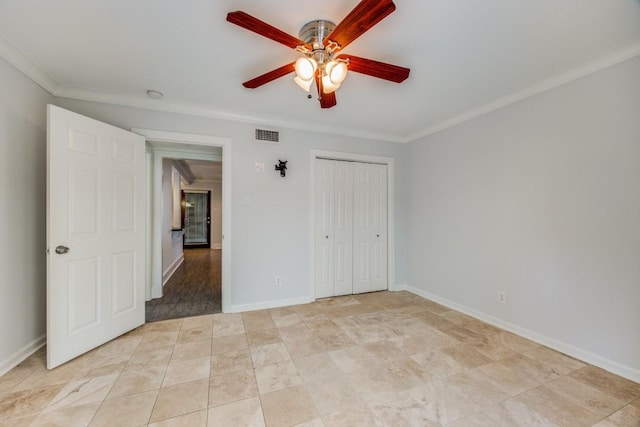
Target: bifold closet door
x=333, y=228
x=369, y=228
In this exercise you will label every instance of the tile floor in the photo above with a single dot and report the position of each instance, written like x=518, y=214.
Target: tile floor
x=381, y=359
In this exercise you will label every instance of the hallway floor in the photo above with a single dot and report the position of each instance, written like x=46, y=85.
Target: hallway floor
x=193, y=290
x=380, y=359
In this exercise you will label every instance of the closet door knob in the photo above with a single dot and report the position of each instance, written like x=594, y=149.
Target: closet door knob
x=326, y=237
x=377, y=235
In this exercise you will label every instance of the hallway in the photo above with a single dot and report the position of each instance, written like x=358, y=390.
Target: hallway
x=193, y=290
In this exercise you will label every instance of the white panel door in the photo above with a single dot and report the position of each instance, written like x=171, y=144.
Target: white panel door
x=324, y=227
x=369, y=228
x=343, y=229
x=378, y=226
x=95, y=233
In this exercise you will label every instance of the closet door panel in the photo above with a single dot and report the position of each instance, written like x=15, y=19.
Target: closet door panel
x=343, y=228
x=324, y=228
x=378, y=226
x=361, y=234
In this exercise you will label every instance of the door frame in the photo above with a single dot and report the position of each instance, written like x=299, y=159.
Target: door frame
x=154, y=286
x=391, y=241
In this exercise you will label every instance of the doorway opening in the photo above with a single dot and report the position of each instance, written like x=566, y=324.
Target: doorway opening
x=189, y=242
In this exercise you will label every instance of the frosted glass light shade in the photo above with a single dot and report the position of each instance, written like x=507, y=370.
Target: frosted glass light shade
x=337, y=71
x=304, y=84
x=306, y=68
x=328, y=86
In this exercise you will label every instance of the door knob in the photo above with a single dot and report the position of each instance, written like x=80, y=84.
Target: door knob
x=62, y=250
x=326, y=237
x=377, y=235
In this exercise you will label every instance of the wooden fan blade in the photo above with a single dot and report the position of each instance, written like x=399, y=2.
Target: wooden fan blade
x=250, y=23
x=270, y=76
x=327, y=100
x=364, y=16
x=377, y=69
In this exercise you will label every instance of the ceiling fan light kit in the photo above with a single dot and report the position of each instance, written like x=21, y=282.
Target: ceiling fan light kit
x=319, y=42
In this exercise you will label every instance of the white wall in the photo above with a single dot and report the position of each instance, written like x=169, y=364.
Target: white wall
x=216, y=207
x=541, y=200
x=22, y=191
x=272, y=235
x=172, y=253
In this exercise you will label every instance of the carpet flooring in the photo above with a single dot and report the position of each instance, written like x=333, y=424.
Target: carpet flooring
x=193, y=290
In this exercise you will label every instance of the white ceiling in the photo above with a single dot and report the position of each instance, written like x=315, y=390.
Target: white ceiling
x=205, y=170
x=466, y=56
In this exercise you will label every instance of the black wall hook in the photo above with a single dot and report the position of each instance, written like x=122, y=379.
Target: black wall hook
x=282, y=167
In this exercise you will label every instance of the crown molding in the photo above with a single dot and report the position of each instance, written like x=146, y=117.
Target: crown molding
x=20, y=61
x=617, y=56
x=28, y=67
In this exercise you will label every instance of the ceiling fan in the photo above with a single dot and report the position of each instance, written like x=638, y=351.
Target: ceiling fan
x=319, y=42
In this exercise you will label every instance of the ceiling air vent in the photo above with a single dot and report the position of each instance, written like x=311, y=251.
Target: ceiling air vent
x=266, y=135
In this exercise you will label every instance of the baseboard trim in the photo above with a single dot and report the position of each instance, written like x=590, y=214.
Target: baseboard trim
x=399, y=287
x=216, y=246
x=26, y=351
x=239, y=308
x=581, y=354
x=172, y=269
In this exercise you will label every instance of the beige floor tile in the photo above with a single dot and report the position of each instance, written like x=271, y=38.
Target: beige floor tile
x=128, y=411
x=138, y=380
x=356, y=416
x=533, y=369
x=69, y=416
x=477, y=387
x=608, y=383
x=438, y=363
x=400, y=409
x=364, y=360
x=41, y=377
x=119, y=346
x=232, y=387
x=316, y=422
x=246, y=412
x=227, y=343
x=194, y=419
x=333, y=394
x=198, y=322
x=517, y=414
x=157, y=339
x=586, y=396
x=18, y=422
x=475, y=420
x=187, y=371
x=224, y=363
x=227, y=324
x=256, y=320
x=181, y=399
x=156, y=356
x=27, y=402
x=559, y=362
x=277, y=377
x=163, y=325
x=557, y=409
x=288, y=407
x=263, y=337
x=198, y=333
x=443, y=403
x=82, y=392
x=629, y=416
x=191, y=350
x=285, y=319
x=466, y=355
x=304, y=346
x=316, y=367
x=269, y=354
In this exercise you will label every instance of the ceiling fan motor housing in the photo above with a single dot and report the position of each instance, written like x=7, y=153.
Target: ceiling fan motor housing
x=313, y=33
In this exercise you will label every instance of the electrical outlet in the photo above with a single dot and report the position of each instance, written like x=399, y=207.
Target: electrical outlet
x=278, y=281
x=502, y=297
